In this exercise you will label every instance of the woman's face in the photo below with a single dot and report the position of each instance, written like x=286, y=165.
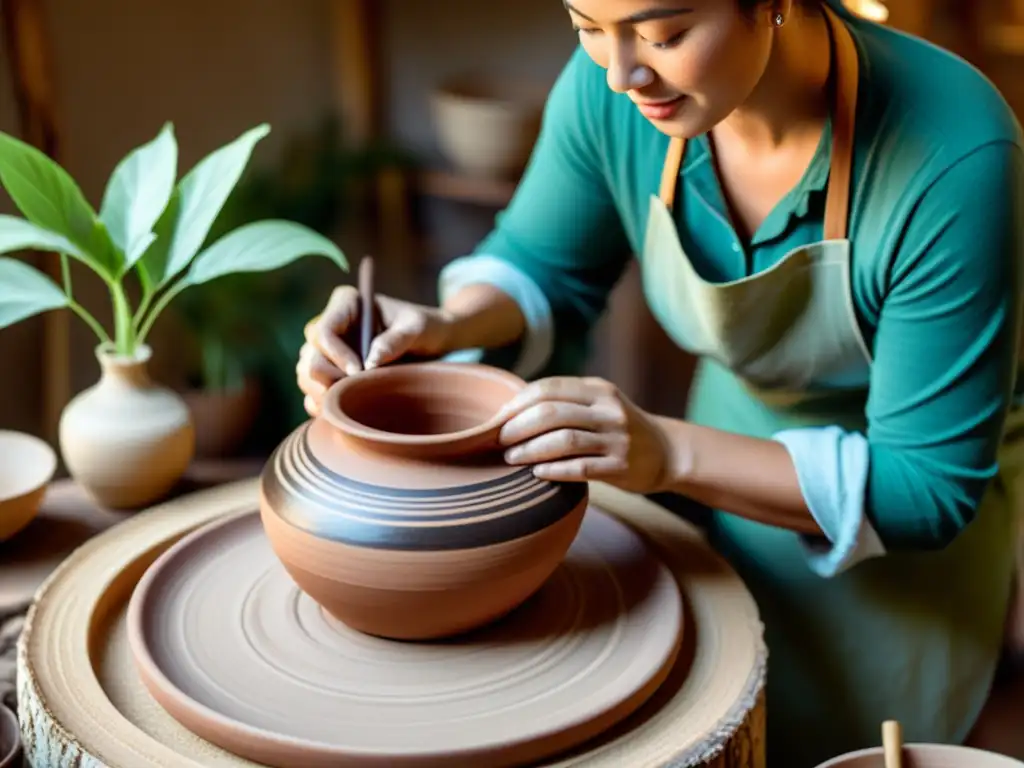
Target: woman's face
x=686, y=64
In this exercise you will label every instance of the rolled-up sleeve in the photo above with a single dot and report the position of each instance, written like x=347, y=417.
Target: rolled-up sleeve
x=560, y=242
x=943, y=374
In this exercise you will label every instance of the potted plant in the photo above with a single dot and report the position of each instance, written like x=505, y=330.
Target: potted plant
x=127, y=440
x=233, y=322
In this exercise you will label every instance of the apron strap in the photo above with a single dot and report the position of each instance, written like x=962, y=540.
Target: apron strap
x=670, y=172
x=844, y=118
x=845, y=65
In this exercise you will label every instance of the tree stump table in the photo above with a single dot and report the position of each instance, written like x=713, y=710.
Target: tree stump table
x=83, y=705
x=67, y=519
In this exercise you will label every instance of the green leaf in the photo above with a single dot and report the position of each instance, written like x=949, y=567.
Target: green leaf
x=17, y=234
x=261, y=247
x=203, y=192
x=138, y=192
x=47, y=195
x=152, y=265
x=141, y=246
x=25, y=291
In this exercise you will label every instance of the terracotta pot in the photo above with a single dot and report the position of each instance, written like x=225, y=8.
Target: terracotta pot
x=395, y=510
x=10, y=739
x=126, y=440
x=926, y=756
x=487, y=128
x=222, y=418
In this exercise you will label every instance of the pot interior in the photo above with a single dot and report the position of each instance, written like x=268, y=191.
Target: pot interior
x=26, y=463
x=420, y=401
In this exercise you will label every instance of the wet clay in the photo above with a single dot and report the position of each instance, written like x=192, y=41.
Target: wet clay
x=396, y=511
x=233, y=649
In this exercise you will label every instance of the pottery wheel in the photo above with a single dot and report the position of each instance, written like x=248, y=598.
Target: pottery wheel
x=236, y=652
x=83, y=705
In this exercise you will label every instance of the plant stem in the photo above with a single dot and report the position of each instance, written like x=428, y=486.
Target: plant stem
x=147, y=297
x=124, y=331
x=91, y=321
x=213, y=362
x=65, y=271
x=173, y=291
x=74, y=306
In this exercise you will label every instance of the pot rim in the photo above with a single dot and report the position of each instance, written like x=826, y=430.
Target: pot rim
x=44, y=471
x=924, y=749
x=331, y=410
x=107, y=350
x=480, y=91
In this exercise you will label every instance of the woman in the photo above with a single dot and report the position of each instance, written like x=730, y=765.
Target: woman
x=827, y=212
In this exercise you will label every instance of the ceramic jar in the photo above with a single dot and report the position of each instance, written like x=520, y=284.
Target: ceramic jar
x=126, y=440
x=222, y=418
x=487, y=128
x=395, y=510
x=11, y=752
x=925, y=756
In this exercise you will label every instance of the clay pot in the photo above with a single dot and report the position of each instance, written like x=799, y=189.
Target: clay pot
x=10, y=739
x=126, y=440
x=487, y=128
x=27, y=464
x=222, y=418
x=396, y=512
x=926, y=756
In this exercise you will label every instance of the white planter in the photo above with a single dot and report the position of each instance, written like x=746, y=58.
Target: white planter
x=126, y=440
x=487, y=129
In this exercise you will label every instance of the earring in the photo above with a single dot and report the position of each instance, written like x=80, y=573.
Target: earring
x=779, y=19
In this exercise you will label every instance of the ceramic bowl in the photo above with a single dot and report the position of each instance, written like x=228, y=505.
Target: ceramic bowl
x=10, y=739
x=487, y=128
x=395, y=509
x=27, y=464
x=926, y=756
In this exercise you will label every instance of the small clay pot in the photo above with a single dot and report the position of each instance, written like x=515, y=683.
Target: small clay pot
x=926, y=756
x=10, y=739
x=222, y=418
x=395, y=509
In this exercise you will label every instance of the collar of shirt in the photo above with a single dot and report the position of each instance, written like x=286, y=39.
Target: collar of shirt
x=805, y=200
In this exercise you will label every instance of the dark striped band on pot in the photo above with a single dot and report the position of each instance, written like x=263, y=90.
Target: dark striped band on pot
x=305, y=493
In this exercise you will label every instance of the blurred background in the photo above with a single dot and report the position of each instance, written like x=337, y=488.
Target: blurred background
x=398, y=129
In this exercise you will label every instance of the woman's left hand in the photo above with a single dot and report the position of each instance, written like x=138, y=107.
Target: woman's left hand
x=576, y=429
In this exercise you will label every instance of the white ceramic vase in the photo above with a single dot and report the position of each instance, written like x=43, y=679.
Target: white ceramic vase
x=126, y=440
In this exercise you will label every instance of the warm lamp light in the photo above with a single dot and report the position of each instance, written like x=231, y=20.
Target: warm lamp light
x=873, y=10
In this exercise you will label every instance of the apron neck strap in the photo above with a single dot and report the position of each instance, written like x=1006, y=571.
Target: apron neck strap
x=845, y=74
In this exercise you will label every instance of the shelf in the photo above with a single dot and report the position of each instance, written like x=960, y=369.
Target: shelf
x=447, y=185
x=1005, y=37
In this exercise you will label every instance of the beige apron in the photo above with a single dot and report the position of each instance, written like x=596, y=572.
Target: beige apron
x=911, y=636
x=791, y=327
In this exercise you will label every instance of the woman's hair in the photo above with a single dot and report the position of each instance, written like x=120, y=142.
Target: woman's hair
x=749, y=6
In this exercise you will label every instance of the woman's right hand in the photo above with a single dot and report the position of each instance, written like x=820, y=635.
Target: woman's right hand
x=409, y=329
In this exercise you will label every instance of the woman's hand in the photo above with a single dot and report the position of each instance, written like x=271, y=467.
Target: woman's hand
x=585, y=429
x=326, y=357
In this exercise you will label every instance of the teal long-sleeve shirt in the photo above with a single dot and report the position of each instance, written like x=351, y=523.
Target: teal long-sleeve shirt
x=936, y=225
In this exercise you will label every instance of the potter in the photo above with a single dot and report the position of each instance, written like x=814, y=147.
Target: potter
x=828, y=214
